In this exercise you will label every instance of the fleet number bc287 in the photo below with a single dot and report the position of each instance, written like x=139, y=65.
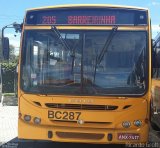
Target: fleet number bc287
x=64, y=115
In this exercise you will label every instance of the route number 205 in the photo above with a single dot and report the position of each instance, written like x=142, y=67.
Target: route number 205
x=63, y=115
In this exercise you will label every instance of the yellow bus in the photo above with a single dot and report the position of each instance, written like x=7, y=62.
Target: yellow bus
x=155, y=101
x=85, y=74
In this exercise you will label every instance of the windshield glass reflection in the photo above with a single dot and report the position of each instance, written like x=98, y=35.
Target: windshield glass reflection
x=49, y=66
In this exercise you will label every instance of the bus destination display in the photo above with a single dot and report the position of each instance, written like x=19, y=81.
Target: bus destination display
x=81, y=20
x=86, y=17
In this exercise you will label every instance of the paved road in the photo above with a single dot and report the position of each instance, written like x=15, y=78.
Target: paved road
x=8, y=134
x=15, y=144
x=8, y=123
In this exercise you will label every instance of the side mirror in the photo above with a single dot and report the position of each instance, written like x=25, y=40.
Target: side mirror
x=17, y=68
x=5, y=48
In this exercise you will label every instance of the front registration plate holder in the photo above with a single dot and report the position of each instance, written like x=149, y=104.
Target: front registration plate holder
x=128, y=136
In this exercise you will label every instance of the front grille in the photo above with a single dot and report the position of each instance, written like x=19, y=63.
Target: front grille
x=86, y=122
x=81, y=106
x=91, y=136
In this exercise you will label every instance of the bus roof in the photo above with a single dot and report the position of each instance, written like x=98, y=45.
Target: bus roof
x=88, y=5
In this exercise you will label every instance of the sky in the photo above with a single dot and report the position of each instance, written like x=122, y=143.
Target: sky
x=14, y=10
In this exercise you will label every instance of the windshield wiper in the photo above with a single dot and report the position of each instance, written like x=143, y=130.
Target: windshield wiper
x=58, y=34
x=105, y=48
x=106, y=45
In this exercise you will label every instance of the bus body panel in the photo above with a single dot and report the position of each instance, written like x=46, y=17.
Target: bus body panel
x=41, y=133
x=94, y=121
x=96, y=124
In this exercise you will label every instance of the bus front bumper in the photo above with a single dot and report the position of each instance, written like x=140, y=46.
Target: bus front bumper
x=82, y=135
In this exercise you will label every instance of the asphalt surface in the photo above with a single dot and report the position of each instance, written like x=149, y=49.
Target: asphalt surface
x=8, y=132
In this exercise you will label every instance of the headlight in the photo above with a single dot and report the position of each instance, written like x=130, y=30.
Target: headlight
x=126, y=124
x=27, y=118
x=137, y=123
x=37, y=120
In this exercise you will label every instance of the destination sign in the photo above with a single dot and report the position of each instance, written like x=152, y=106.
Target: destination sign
x=90, y=16
x=81, y=20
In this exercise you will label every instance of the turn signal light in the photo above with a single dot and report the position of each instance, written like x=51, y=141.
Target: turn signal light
x=19, y=115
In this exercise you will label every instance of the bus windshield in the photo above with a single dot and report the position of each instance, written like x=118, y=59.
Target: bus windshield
x=48, y=67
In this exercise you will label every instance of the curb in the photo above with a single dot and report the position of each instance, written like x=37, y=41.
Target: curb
x=2, y=99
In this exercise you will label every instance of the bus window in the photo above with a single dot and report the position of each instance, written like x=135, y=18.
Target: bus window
x=57, y=65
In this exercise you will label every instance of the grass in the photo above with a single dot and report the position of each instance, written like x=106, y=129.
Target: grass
x=10, y=99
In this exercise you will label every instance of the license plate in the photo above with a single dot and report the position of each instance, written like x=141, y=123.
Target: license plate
x=128, y=136
x=64, y=115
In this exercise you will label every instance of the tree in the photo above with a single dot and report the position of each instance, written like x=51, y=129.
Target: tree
x=11, y=52
x=1, y=56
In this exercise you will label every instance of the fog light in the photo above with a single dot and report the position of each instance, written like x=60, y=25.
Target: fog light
x=27, y=118
x=137, y=123
x=37, y=120
x=126, y=124
x=110, y=137
x=50, y=134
